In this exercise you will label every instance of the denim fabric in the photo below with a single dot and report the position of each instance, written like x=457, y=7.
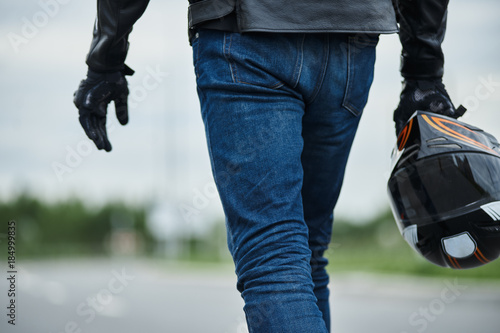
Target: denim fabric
x=280, y=114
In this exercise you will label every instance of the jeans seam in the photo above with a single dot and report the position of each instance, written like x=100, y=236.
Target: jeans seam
x=321, y=77
x=227, y=55
x=197, y=53
x=300, y=61
x=350, y=69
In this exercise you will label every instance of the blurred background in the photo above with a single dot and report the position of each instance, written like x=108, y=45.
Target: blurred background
x=134, y=240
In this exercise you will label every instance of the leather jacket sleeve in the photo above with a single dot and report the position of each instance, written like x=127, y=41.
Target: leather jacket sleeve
x=422, y=29
x=113, y=25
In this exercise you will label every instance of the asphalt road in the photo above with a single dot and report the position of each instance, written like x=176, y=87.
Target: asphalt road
x=130, y=296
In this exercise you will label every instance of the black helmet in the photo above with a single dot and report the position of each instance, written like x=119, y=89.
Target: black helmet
x=445, y=190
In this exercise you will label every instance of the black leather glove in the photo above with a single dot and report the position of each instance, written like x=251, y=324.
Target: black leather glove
x=92, y=99
x=424, y=95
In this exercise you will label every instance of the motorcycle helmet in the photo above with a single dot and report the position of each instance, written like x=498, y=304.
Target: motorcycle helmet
x=444, y=190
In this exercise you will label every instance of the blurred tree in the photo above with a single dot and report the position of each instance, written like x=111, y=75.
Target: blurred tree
x=69, y=227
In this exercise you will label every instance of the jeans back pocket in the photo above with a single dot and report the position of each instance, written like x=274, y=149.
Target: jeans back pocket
x=260, y=59
x=361, y=60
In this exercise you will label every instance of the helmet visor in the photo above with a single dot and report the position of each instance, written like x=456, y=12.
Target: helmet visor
x=443, y=186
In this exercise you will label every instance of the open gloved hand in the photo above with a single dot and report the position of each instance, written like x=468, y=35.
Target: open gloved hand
x=424, y=95
x=92, y=98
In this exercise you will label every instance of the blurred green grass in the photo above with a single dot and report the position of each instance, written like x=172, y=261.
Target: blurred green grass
x=72, y=229
x=377, y=247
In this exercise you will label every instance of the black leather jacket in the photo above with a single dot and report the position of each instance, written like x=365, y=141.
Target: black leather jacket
x=422, y=25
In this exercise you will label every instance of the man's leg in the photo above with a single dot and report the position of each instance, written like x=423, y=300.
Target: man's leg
x=253, y=122
x=329, y=125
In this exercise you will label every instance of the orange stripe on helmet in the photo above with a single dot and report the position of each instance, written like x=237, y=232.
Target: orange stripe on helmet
x=478, y=254
x=463, y=137
x=454, y=262
x=478, y=258
x=438, y=124
x=404, y=135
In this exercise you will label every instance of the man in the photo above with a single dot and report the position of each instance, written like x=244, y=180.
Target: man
x=282, y=86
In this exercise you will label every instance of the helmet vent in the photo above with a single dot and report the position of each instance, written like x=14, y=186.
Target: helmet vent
x=446, y=145
x=441, y=142
x=438, y=139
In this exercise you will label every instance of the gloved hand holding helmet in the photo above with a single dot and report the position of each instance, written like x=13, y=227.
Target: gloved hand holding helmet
x=422, y=30
x=424, y=95
x=444, y=186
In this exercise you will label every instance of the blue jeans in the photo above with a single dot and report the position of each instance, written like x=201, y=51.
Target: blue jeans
x=280, y=114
